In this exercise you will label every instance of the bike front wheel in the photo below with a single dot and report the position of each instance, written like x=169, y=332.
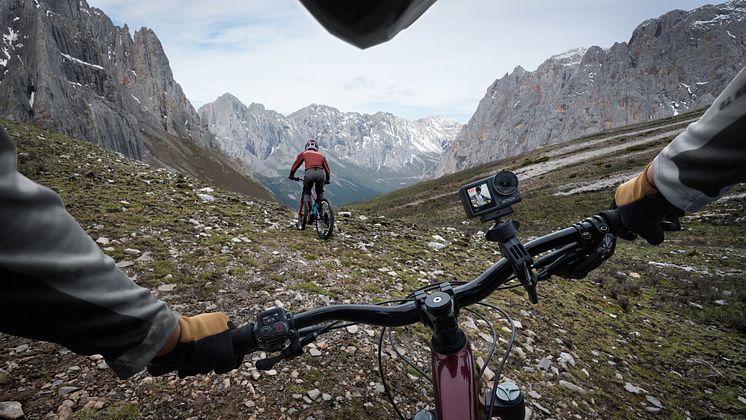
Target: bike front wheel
x=325, y=219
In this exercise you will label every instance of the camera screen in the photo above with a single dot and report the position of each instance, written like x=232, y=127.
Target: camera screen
x=479, y=197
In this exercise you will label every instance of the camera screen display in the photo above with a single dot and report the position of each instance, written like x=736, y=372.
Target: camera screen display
x=480, y=197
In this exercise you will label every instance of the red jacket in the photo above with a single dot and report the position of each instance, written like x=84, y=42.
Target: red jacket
x=312, y=159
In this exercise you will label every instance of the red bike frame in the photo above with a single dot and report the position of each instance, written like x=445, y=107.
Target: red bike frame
x=456, y=385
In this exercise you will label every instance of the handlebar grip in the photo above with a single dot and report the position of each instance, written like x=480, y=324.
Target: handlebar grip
x=243, y=339
x=614, y=219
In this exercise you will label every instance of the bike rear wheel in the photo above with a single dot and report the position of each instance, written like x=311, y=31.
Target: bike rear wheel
x=303, y=217
x=325, y=219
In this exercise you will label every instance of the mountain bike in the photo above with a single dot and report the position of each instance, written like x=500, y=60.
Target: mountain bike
x=321, y=214
x=572, y=252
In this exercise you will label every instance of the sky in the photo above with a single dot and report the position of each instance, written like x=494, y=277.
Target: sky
x=274, y=52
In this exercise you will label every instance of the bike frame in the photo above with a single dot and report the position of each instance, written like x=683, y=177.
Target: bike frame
x=313, y=201
x=455, y=385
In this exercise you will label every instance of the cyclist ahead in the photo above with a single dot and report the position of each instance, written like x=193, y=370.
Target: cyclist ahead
x=317, y=174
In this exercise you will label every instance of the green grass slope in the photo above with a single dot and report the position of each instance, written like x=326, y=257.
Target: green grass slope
x=654, y=329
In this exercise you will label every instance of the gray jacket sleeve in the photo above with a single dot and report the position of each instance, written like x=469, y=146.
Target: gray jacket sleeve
x=706, y=160
x=57, y=285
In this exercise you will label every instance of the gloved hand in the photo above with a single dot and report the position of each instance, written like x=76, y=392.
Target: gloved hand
x=207, y=342
x=644, y=210
x=327, y=182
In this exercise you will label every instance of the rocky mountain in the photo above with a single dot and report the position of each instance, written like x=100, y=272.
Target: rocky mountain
x=369, y=154
x=677, y=62
x=65, y=66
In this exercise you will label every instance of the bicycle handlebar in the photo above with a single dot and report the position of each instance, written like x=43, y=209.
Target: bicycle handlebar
x=307, y=323
x=466, y=294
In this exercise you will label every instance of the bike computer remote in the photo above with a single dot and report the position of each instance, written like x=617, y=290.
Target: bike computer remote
x=272, y=329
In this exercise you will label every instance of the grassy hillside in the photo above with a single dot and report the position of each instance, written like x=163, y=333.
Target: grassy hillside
x=655, y=326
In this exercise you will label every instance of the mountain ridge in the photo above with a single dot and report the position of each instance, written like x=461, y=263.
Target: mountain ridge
x=368, y=153
x=671, y=64
x=65, y=66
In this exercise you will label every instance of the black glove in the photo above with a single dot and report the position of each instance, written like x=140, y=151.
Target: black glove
x=649, y=217
x=207, y=342
x=327, y=182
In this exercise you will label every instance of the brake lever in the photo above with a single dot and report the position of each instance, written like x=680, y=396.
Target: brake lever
x=672, y=222
x=295, y=349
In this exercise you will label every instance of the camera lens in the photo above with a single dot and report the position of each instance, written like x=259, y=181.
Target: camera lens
x=505, y=183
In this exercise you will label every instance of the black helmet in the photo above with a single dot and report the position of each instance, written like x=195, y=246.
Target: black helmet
x=311, y=145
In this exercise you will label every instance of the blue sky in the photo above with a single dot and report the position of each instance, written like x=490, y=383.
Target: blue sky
x=274, y=53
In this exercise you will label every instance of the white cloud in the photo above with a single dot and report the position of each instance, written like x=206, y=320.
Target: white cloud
x=275, y=53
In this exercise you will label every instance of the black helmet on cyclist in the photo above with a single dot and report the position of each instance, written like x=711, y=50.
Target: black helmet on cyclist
x=312, y=145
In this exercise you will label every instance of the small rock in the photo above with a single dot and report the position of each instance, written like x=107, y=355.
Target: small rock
x=695, y=305
x=566, y=358
x=22, y=348
x=314, y=352
x=363, y=218
x=519, y=351
x=544, y=363
x=436, y=246
x=11, y=410
x=439, y=238
x=63, y=391
x=103, y=241
x=206, y=190
x=742, y=399
x=535, y=395
x=124, y=264
x=379, y=388
x=721, y=302
x=249, y=404
x=65, y=411
x=314, y=394
x=631, y=388
x=326, y=397
x=571, y=386
x=634, y=275
x=618, y=376
x=488, y=374
x=344, y=214
x=131, y=251
x=655, y=401
x=255, y=375
x=271, y=372
x=206, y=197
x=168, y=287
x=469, y=323
x=653, y=410
x=352, y=329
x=145, y=259
x=486, y=337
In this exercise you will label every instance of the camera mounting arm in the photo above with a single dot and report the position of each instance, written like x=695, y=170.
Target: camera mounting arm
x=503, y=232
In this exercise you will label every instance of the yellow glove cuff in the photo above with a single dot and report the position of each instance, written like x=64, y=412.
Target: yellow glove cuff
x=198, y=327
x=634, y=189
